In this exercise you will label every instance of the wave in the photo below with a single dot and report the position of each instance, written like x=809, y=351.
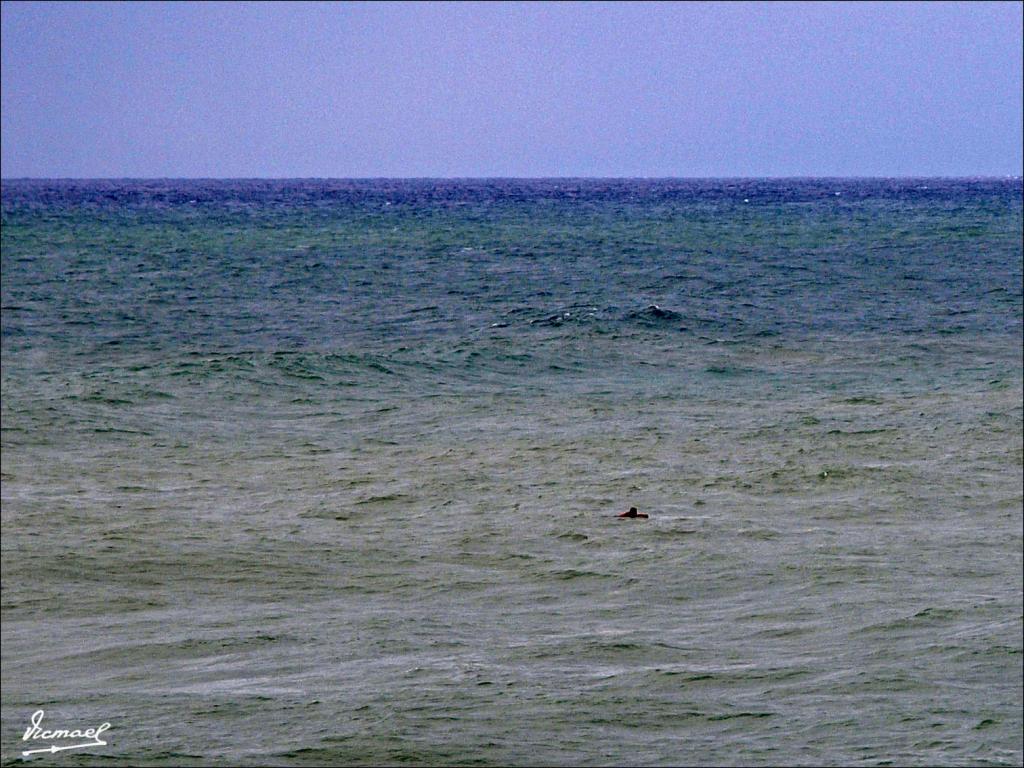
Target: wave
x=655, y=315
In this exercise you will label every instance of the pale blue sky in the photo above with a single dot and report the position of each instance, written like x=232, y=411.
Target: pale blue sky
x=511, y=89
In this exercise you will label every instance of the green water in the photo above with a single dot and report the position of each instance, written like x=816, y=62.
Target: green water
x=304, y=473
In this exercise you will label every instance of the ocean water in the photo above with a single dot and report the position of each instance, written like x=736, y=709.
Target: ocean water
x=325, y=472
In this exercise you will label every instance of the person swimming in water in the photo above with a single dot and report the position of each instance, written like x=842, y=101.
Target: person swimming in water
x=633, y=513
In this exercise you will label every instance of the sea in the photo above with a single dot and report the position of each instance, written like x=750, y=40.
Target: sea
x=326, y=472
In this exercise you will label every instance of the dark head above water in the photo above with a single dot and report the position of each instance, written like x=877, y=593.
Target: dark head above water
x=633, y=513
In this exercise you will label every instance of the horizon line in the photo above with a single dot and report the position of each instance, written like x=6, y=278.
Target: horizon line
x=508, y=178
